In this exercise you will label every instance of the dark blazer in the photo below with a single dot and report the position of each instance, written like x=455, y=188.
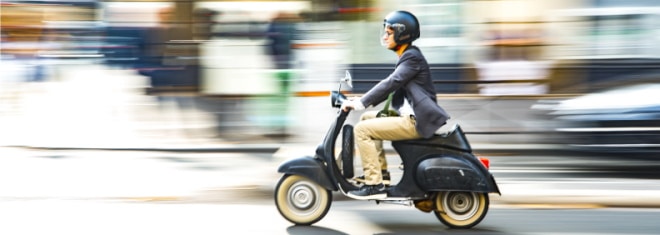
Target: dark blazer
x=411, y=79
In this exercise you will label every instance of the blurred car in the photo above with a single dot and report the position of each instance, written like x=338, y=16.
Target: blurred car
x=625, y=118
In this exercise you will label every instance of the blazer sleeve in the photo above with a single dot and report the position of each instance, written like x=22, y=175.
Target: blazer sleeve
x=405, y=71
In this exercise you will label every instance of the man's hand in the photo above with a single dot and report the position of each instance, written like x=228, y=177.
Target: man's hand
x=352, y=104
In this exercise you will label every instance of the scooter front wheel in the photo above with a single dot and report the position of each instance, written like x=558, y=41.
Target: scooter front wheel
x=461, y=209
x=300, y=200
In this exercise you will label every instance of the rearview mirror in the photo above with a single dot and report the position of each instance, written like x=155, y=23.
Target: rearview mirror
x=337, y=98
x=348, y=79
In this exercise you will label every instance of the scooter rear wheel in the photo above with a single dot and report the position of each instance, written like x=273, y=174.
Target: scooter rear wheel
x=300, y=200
x=461, y=209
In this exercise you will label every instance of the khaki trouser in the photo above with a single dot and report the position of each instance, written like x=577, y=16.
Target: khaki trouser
x=370, y=133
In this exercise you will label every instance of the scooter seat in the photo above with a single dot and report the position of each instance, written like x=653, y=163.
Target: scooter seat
x=449, y=137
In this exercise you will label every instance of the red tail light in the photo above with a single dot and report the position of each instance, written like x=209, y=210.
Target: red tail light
x=485, y=161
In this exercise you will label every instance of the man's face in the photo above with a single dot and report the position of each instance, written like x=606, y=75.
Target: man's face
x=388, y=38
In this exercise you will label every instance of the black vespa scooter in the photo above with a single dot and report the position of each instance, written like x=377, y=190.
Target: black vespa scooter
x=440, y=175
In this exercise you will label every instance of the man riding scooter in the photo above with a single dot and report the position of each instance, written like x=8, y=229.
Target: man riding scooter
x=411, y=92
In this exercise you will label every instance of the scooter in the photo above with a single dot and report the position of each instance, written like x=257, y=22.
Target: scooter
x=440, y=175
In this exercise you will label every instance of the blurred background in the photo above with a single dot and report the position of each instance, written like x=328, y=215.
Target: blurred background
x=563, y=96
x=575, y=73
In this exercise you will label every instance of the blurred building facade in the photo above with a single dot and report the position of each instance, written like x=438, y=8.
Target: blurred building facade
x=209, y=40
x=216, y=51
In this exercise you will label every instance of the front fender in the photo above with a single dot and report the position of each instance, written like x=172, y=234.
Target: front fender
x=309, y=167
x=454, y=173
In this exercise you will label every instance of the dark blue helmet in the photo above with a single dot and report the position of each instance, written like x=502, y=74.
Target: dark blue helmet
x=404, y=24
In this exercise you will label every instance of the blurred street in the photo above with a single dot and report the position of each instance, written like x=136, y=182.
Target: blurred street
x=346, y=217
x=234, y=177
x=137, y=192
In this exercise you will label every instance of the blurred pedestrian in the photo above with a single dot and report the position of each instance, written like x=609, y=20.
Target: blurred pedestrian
x=280, y=34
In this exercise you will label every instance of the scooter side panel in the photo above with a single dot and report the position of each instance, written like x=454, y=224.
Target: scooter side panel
x=451, y=173
x=308, y=167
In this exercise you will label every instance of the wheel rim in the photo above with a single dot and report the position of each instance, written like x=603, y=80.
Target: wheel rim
x=461, y=209
x=301, y=200
x=303, y=197
x=461, y=206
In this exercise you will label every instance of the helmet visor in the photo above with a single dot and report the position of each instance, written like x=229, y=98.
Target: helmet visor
x=385, y=33
x=390, y=30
